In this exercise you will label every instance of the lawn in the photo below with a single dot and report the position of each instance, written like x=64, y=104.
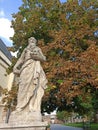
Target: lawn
x=93, y=126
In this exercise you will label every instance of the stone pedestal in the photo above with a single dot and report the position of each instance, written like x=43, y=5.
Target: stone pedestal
x=25, y=117
x=20, y=126
x=24, y=121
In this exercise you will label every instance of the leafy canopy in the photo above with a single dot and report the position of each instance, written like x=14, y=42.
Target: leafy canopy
x=68, y=35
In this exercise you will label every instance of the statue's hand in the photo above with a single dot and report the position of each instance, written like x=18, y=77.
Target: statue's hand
x=44, y=58
x=38, y=55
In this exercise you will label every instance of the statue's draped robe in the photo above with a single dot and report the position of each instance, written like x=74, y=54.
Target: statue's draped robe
x=32, y=83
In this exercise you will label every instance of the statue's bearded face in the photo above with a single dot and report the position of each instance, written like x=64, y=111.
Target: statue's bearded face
x=32, y=41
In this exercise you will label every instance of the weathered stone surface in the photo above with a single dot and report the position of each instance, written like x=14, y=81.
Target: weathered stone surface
x=24, y=126
x=32, y=82
x=32, y=79
x=25, y=117
x=2, y=114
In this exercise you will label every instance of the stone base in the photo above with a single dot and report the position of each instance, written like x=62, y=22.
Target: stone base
x=32, y=126
x=25, y=118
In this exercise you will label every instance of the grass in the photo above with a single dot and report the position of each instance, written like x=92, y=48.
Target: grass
x=93, y=126
x=75, y=124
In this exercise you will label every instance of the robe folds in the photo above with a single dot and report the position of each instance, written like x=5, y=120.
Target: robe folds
x=32, y=83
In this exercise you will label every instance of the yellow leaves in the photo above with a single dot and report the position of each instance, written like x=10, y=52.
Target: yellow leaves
x=53, y=87
x=96, y=79
x=70, y=45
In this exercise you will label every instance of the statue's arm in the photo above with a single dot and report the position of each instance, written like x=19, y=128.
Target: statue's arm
x=38, y=55
x=17, y=67
x=41, y=55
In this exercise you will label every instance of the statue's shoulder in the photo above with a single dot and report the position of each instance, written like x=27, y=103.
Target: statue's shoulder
x=37, y=49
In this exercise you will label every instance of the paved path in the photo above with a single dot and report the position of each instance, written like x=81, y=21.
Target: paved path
x=61, y=127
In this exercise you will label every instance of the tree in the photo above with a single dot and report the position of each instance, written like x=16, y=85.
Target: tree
x=67, y=33
x=95, y=105
x=63, y=115
x=10, y=98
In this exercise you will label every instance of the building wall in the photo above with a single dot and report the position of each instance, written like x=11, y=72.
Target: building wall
x=5, y=79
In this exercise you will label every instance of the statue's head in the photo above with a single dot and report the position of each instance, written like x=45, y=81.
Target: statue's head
x=32, y=41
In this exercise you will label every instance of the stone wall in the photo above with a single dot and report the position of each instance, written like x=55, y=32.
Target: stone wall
x=5, y=79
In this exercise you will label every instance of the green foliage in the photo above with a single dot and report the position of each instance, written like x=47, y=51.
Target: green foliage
x=59, y=81
x=65, y=32
x=32, y=20
x=10, y=98
x=62, y=115
x=95, y=101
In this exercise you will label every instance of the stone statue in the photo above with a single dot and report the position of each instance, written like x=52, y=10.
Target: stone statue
x=32, y=79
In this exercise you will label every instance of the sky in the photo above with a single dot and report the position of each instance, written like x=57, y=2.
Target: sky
x=7, y=8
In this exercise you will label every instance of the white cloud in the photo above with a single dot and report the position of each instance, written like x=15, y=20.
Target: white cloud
x=2, y=14
x=5, y=29
x=14, y=53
